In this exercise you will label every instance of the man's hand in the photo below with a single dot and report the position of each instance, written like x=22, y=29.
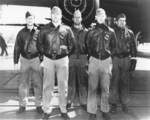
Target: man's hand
x=133, y=64
x=63, y=49
x=16, y=67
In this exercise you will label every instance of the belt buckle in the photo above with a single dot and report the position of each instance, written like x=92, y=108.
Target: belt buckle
x=99, y=56
x=28, y=56
x=54, y=56
x=77, y=56
x=121, y=56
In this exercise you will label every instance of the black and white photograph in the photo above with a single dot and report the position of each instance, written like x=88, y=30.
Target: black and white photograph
x=74, y=60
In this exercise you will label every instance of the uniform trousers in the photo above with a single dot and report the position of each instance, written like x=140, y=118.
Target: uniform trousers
x=99, y=73
x=4, y=49
x=60, y=67
x=78, y=79
x=27, y=68
x=119, y=86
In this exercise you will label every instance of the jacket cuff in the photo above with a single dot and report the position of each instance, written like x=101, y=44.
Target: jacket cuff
x=133, y=58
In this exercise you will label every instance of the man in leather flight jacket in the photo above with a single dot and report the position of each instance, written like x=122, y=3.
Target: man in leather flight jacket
x=124, y=61
x=78, y=76
x=26, y=46
x=56, y=43
x=101, y=45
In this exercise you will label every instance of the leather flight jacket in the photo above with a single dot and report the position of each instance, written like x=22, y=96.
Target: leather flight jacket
x=79, y=41
x=26, y=44
x=51, y=39
x=126, y=43
x=101, y=41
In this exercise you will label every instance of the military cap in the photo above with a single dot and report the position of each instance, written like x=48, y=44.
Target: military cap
x=56, y=9
x=100, y=11
x=29, y=14
x=121, y=16
x=77, y=12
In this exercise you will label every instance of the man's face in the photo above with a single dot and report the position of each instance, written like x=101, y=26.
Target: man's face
x=30, y=20
x=121, y=22
x=56, y=16
x=100, y=18
x=77, y=19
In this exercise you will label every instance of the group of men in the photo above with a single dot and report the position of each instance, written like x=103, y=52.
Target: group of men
x=81, y=59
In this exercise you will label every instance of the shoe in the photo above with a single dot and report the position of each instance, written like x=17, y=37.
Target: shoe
x=68, y=105
x=106, y=116
x=113, y=109
x=21, y=109
x=65, y=116
x=84, y=107
x=39, y=110
x=126, y=109
x=92, y=117
x=46, y=116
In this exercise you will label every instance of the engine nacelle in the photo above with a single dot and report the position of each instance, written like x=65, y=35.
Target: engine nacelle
x=87, y=8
